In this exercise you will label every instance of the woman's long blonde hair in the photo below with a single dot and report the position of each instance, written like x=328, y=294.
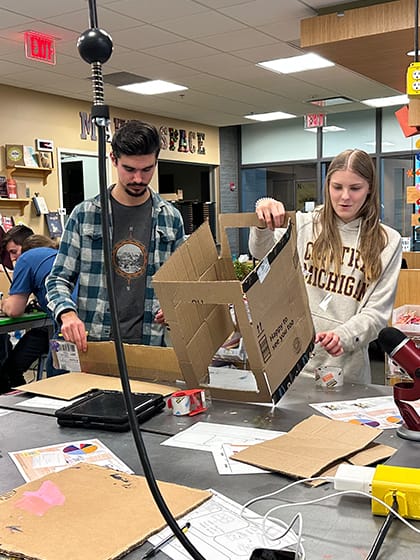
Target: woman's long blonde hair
x=328, y=248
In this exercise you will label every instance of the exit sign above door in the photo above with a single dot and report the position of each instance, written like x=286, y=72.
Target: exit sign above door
x=40, y=47
x=315, y=120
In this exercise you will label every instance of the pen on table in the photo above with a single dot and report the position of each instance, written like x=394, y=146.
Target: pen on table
x=155, y=549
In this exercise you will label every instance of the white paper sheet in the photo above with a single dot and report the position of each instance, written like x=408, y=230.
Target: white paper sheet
x=222, y=441
x=45, y=402
x=219, y=532
x=205, y=436
x=377, y=412
x=225, y=465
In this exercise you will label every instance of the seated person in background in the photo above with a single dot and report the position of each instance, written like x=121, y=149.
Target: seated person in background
x=34, y=259
x=11, y=243
x=350, y=262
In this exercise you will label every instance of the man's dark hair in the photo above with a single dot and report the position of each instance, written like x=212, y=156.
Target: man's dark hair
x=17, y=234
x=135, y=138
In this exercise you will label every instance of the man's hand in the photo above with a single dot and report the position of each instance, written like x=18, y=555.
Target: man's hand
x=271, y=211
x=330, y=342
x=74, y=330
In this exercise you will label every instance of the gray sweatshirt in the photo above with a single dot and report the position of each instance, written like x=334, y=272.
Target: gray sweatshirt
x=348, y=305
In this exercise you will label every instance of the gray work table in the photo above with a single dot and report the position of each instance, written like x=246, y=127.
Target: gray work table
x=290, y=410
x=341, y=527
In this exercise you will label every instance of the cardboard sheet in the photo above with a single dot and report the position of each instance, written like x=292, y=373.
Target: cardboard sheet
x=86, y=512
x=312, y=446
x=72, y=385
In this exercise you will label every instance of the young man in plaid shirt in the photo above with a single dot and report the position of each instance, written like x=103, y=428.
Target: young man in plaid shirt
x=146, y=230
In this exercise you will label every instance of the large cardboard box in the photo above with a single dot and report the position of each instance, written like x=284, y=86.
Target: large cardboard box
x=198, y=290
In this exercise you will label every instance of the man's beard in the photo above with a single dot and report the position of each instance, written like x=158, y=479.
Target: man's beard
x=136, y=194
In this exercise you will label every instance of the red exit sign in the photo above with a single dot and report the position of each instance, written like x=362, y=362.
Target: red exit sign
x=40, y=47
x=315, y=120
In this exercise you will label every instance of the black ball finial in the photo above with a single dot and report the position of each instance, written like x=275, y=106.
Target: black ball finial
x=95, y=45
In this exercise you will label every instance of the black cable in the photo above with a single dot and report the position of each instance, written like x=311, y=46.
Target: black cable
x=95, y=47
x=373, y=554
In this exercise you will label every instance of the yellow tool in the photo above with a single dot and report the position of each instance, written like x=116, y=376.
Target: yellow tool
x=403, y=483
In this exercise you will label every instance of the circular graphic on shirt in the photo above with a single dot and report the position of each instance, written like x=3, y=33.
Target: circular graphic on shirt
x=129, y=258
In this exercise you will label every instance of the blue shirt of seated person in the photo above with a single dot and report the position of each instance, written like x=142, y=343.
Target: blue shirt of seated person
x=31, y=269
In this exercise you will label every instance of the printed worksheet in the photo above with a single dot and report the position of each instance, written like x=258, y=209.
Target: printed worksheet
x=39, y=461
x=377, y=412
x=223, y=441
x=220, y=532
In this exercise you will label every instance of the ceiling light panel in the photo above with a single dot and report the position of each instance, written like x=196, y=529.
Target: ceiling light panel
x=294, y=64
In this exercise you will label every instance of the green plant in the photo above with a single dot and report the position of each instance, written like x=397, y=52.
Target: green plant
x=242, y=269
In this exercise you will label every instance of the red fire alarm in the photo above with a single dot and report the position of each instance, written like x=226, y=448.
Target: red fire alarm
x=40, y=47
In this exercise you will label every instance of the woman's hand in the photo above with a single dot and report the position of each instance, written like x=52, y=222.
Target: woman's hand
x=330, y=342
x=160, y=317
x=270, y=211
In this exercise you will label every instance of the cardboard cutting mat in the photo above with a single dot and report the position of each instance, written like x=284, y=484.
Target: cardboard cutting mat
x=86, y=512
x=72, y=385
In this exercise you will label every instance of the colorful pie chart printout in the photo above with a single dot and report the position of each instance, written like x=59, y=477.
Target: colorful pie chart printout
x=80, y=449
x=376, y=412
x=35, y=463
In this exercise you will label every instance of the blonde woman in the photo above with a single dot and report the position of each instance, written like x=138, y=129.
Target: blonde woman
x=350, y=263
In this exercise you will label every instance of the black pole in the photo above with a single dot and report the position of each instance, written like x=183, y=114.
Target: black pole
x=95, y=47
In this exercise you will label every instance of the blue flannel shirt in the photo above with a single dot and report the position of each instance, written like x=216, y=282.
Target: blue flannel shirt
x=81, y=257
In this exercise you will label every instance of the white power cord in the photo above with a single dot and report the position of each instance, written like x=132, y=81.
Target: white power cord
x=357, y=480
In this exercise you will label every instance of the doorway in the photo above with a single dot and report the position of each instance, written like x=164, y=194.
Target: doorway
x=193, y=187
x=78, y=177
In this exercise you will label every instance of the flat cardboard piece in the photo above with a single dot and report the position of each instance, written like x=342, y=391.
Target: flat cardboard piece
x=196, y=288
x=69, y=386
x=310, y=447
x=372, y=454
x=86, y=512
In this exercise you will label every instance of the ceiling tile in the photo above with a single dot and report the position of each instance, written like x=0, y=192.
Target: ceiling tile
x=199, y=25
x=235, y=40
x=157, y=10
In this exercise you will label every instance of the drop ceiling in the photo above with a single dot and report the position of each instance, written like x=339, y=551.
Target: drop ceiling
x=209, y=46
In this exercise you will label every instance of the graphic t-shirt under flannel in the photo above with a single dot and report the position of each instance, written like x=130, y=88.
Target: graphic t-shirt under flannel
x=131, y=238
